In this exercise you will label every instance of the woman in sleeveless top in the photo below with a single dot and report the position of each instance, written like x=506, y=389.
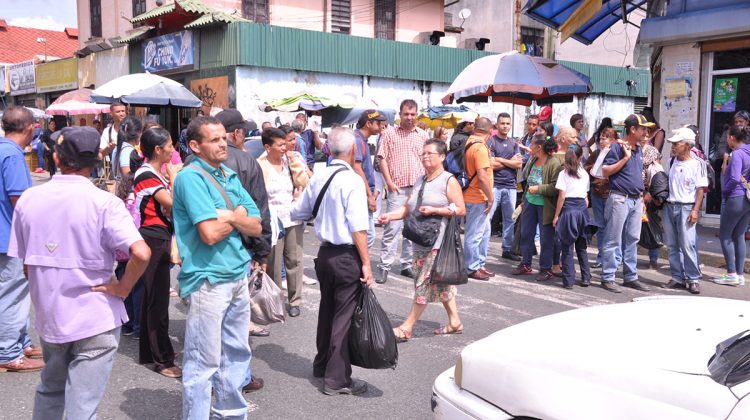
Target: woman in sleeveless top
x=442, y=196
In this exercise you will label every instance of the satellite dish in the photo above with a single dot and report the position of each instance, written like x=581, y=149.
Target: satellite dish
x=464, y=13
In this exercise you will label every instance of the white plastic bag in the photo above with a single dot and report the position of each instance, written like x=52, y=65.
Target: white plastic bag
x=266, y=299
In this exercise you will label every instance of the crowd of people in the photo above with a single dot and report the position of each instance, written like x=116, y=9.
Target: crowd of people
x=203, y=201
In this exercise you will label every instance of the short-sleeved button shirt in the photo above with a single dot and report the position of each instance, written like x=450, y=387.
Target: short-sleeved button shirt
x=15, y=180
x=504, y=148
x=477, y=159
x=629, y=179
x=69, y=233
x=402, y=151
x=196, y=200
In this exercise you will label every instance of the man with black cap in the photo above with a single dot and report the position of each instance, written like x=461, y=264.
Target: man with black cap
x=69, y=234
x=624, y=209
x=369, y=124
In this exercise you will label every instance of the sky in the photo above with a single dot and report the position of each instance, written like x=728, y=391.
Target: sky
x=42, y=14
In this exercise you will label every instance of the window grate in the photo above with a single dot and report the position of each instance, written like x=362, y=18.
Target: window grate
x=255, y=10
x=95, y=11
x=341, y=16
x=385, y=19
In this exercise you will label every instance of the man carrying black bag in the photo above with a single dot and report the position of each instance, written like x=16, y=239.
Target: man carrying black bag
x=336, y=198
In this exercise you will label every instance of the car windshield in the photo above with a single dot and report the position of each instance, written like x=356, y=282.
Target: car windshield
x=730, y=365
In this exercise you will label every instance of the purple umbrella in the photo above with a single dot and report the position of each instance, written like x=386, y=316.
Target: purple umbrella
x=517, y=78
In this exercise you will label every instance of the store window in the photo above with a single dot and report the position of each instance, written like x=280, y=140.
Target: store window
x=729, y=84
x=532, y=41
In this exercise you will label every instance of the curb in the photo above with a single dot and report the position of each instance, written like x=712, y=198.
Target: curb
x=710, y=259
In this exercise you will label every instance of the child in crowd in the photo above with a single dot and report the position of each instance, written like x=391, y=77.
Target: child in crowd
x=572, y=222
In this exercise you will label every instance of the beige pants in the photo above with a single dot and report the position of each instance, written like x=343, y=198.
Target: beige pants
x=290, y=248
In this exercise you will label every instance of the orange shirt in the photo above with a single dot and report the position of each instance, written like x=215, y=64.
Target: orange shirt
x=477, y=158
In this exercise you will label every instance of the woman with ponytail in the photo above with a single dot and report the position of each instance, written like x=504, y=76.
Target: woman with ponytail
x=572, y=222
x=128, y=136
x=153, y=198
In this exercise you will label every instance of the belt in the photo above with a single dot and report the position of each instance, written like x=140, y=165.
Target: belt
x=327, y=244
x=677, y=203
x=631, y=196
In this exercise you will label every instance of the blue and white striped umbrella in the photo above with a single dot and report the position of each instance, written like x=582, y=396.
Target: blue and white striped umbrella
x=517, y=78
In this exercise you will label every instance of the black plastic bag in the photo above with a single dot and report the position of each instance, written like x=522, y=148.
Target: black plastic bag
x=372, y=344
x=652, y=236
x=449, y=266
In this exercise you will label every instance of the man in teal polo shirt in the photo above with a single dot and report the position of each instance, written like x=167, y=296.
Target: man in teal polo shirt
x=213, y=278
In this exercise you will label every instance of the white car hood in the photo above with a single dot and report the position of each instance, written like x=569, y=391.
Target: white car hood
x=653, y=349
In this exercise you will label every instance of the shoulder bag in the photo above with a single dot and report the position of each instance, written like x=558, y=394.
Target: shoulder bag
x=420, y=229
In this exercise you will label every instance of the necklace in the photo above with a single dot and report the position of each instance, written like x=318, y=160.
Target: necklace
x=437, y=174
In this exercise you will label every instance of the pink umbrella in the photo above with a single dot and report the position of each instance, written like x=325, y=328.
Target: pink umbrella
x=76, y=103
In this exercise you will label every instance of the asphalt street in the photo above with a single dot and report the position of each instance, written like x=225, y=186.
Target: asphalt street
x=284, y=359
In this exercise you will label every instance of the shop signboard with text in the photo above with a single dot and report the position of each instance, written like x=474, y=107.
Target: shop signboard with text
x=57, y=75
x=22, y=78
x=168, y=52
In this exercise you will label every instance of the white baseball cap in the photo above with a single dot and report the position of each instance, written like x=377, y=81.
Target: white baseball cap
x=683, y=134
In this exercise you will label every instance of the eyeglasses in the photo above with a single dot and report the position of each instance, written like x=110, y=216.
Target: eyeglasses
x=426, y=154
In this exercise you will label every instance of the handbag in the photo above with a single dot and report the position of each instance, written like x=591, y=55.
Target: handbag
x=449, y=267
x=418, y=228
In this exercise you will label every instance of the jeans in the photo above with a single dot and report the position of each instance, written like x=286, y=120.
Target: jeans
x=653, y=255
x=370, y=230
x=132, y=302
x=75, y=376
x=597, y=205
x=217, y=352
x=531, y=218
x=505, y=198
x=476, y=236
x=392, y=232
x=622, y=218
x=735, y=215
x=679, y=236
x=40, y=155
x=14, y=309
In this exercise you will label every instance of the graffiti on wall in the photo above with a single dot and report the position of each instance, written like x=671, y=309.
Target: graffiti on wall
x=212, y=92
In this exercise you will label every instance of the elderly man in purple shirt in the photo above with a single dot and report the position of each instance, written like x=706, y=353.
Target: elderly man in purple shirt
x=69, y=233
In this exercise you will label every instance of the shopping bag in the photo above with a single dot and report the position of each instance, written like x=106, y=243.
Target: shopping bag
x=651, y=234
x=372, y=344
x=266, y=299
x=449, y=267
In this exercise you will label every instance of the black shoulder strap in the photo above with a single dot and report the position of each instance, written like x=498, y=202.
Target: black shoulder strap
x=323, y=190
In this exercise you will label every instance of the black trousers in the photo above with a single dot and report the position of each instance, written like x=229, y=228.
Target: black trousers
x=155, y=345
x=339, y=271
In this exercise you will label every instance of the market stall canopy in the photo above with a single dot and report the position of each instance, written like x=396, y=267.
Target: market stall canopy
x=445, y=116
x=517, y=78
x=347, y=116
x=145, y=89
x=36, y=112
x=583, y=20
x=76, y=102
x=306, y=102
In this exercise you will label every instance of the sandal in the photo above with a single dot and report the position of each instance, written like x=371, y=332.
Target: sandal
x=402, y=335
x=447, y=329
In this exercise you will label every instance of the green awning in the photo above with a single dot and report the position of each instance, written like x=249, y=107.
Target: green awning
x=136, y=35
x=214, y=19
x=190, y=6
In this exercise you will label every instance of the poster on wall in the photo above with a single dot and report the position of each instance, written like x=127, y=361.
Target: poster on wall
x=22, y=78
x=725, y=94
x=212, y=92
x=168, y=52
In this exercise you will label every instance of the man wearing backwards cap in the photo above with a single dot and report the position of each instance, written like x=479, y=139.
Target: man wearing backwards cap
x=687, y=177
x=369, y=124
x=623, y=165
x=70, y=255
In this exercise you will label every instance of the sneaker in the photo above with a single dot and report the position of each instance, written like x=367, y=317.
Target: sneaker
x=308, y=280
x=511, y=256
x=522, y=270
x=728, y=280
x=545, y=275
x=741, y=280
x=39, y=171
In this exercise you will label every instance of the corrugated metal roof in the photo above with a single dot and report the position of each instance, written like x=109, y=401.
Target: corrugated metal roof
x=134, y=36
x=214, y=19
x=191, y=6
x=612, y=80
x=272, y=46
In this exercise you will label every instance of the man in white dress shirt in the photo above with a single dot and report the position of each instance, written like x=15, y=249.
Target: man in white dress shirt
x=337, y=199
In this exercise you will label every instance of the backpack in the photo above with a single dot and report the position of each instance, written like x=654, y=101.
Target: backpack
x=455, y=163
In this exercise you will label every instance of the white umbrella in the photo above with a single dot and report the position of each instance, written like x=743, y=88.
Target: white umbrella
x=36, y=112
x=145, y=89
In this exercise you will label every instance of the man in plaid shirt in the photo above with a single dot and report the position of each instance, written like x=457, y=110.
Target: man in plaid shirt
x=401, y=164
